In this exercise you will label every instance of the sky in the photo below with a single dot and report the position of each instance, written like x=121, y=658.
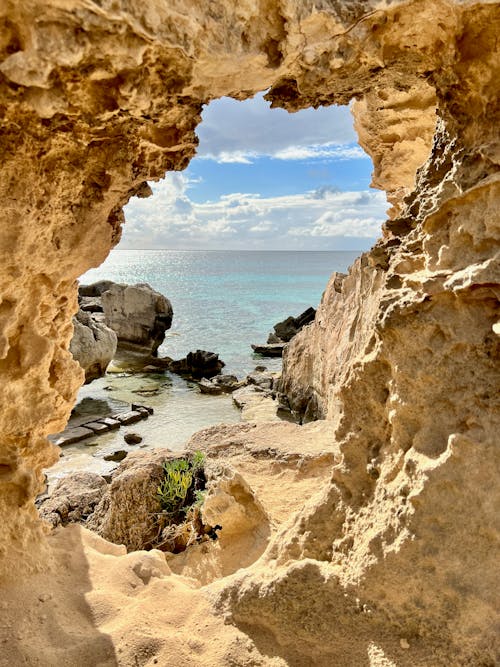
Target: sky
x=264, y=179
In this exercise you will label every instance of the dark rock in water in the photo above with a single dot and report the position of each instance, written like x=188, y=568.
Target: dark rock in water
x=273, y=338
x=143, y=409
x=72, y=435
x=207, y=387
x=130, y=417
x=199, y=364
x=119, y=455
x=132, y=438
x=73, y=499
x=98, y=427
x=111, y=423
x=273, y=350
x=288, y=328
x=260, y=369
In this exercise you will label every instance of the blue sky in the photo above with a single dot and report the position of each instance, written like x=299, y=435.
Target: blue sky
x=264, y=179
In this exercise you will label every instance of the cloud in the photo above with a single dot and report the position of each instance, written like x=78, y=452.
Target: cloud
x=237, y=132
x=344, y=220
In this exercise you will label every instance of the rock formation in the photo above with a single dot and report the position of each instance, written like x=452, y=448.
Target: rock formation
x=137, y=314
x=93, y=345
x=393, y=561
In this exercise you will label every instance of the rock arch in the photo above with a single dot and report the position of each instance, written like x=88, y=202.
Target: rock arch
x=97, y=98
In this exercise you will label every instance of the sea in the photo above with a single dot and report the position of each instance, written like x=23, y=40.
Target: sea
x=223, y=301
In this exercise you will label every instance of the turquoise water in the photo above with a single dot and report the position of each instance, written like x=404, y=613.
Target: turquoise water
x=225, y=300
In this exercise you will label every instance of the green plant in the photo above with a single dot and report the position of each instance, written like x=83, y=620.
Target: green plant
x=198, y=461
x=175, y=485
x=178, y=490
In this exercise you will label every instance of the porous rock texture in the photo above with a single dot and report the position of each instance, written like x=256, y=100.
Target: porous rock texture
x=394, y=563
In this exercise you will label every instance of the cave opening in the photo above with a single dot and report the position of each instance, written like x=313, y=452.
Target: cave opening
x=248, y=235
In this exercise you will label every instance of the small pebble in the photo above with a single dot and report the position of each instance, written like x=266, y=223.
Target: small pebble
x=404, y=643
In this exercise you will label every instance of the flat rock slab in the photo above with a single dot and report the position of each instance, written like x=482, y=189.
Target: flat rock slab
x=72, y=435
x=101, y=426
x=97, y=427
x=110, y=422
x=131, y=417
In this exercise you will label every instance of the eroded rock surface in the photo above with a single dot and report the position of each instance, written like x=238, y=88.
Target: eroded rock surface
x=395, y=562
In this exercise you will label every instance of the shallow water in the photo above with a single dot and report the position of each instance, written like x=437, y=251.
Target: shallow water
x=223, y=302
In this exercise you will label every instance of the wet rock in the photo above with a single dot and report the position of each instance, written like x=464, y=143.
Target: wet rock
x=110, y=422
x=132, y=438
x=272, y=350
x=227, y=383
x=97, y=427
x=72, y=435
x=93, y=345
x=118, y=455
x=199, y=364
x=73, y=499
x=291, y=326
x=131, y=417
x=208, y=387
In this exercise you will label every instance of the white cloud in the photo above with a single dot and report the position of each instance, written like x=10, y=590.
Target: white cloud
x=238, y=132
x=347, y=220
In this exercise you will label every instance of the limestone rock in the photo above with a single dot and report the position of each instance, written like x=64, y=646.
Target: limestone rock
x=401, y=540
x=137, y=314
x=124, y=515
x=73, y=499
x=93, y=345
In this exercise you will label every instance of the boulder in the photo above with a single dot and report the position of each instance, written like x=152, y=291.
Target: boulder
x=137, y=314
x=208, y=387
x=93, y=345
x=95, y=289
x=125, y=513
x=199, y=364
x=270, y=350
x=73, y=499
x=132, y=438
x=263, y=379
x=227, y=383
x=288, y=328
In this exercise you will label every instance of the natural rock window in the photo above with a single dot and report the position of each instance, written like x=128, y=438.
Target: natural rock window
x=394, y=559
